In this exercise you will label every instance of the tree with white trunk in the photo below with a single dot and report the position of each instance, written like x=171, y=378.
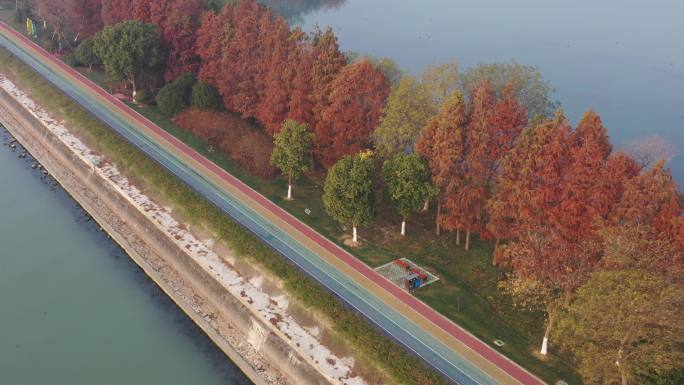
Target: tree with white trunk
x=408, y=184
x=348, y=193
x=292, y=151
x=535, y=296
x=128, y=50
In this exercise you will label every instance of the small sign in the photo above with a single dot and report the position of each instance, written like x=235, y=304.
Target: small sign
x=307, y=211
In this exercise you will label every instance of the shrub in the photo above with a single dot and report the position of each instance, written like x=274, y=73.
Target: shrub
x=185, y=82
x=214, y=126
x=85, y=53
x=70, y=60
x=170, y=100
x=253, y=153
x=206, y=97
x=175, y=96
x=142, y=96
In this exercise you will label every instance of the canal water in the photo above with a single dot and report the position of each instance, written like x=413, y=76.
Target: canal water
x=74, y=309
x=624, y=58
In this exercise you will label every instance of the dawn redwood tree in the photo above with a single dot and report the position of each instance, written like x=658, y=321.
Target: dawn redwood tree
x=442, y=143
x=358, y=95
x=128, y=50
x=409, y=107
x=239, y=80
x=469, y=193
x=651, y=198
x=409, y=184
x=508, y=121
x=273, y=109
x=622, y=323
x=348, y=193
x=292, y=151
x=298, y=73
x=583, y=204
x=327, y=62
x=212, y=37
x=529, y=186
x=115, y=11
x=178, y=21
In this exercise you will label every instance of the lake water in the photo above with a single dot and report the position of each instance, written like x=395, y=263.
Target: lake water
x=624, y=58
x=74, y=309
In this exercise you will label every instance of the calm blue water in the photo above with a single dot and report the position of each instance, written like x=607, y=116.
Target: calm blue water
x=624, y=58
x=74, y=309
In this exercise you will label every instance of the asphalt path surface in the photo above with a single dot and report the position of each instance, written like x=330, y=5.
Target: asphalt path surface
x=442, y=344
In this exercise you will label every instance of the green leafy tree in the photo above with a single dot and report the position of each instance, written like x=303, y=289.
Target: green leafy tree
x=292, y=151
x=128, y=50
x=529, y=86
x=85, y=53
x=348, y=193
x=409, y=107
x=621, y=323
x=441, y=81
x=206, y=97
x=409, y=184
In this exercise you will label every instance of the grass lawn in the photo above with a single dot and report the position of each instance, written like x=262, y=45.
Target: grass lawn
x=467, y=292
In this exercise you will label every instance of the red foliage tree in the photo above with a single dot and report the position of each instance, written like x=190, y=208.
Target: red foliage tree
x=116, y=11
x=442, y=143
x=239, y=81
x=79, y=18
x=178, y=21
x=651, y=198
x=327, y=63
x=583, y=201
x=358, y=95
x=273, y=108
x=212, y=37
x=87, y=17
x=298, y=73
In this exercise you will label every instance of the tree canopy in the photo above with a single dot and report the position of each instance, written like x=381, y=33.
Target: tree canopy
x=348, y=193
x=409, y=107
x=292, y=151
x=408, y=183
x=528, y=85
x=128, y=50
x=621, y=323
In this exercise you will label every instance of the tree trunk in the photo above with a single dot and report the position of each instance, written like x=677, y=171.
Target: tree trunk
x=458, y=237
x=133, y=84
x=467, y=243
x=496, y=246
x=354, y=237
x=625, y=381
x=439, y=211
x=289, y=188
x=426, y=206
x=403, y=227
x=545, y=342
